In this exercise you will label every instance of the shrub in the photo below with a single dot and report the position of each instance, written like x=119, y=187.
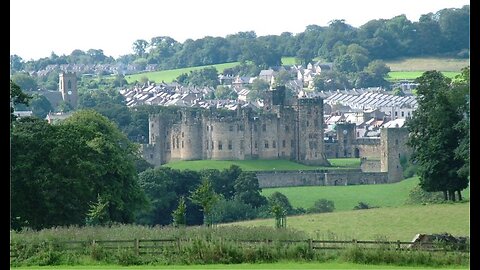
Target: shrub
x=322, y=206
x=362, y=205
x=418, y=196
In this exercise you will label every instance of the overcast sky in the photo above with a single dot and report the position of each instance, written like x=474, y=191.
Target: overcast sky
x=39, y=27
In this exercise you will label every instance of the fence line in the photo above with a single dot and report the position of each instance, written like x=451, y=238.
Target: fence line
x=151, y=246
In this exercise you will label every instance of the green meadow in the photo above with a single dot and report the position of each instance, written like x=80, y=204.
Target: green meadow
x=388, y=223
x=427, y=63
x=411, y=75
x=261, y=165
x=172, y=74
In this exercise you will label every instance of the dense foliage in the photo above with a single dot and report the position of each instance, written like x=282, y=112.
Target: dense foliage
x=439, y=133
x=446, y=31
x=59, y=172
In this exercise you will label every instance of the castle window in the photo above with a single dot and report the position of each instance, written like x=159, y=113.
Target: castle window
x=220, y=146
x=396, y=141
x=151, y=156
x=287, y=128
x=315, y=123
x=207, y=128
x=403, y=114
x=69, y=84
x=211, y=128
x=241, y=128
x=182, y=144
x=284, y=144
x=266, y=144
x=173, y=144
x=152, y=125
x=177, y=143
x=206, y=144
x=256, y=145
x=229, y=145
x=230, y=128
x=396, y=113
x=264, y=127
x=308, y=123
x=241, y=145
x=212, y=145
x=182, y=134
x=274, y=144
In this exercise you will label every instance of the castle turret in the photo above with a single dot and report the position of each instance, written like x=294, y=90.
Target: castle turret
x=346, y=139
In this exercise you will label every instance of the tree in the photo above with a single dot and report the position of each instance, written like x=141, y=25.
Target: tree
x=277, y=198
x=58, y=171
x=179, y=214
x=248, y=190
x=25, y=81
x=205, y=197
x=17, y=96
x=139, y=47
x=433, y=136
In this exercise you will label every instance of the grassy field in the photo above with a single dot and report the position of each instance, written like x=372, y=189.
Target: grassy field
x=411, y=75
x=346, y=197
x=393, y=223
x=424, y=64
x=279, y=265
x=261, y=165
x=172, y=74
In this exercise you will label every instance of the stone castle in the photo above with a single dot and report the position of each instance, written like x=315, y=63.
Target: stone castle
x=287, y=128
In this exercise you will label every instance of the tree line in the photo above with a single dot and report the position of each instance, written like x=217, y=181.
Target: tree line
x=445, y=32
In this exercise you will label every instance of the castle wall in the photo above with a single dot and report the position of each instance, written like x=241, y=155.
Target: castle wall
x=318, y=178
x=369, y=148
x=367, y=165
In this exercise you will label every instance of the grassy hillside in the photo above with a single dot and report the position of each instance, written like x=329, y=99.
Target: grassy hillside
x=392, y=223
x=260, y=165
x=172, y=74
x=411, y=75
x=430, y=63
x=347, y=197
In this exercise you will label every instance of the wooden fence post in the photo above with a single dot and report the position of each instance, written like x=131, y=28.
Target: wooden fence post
x=137, y=246
x=398, y=244
x=310, y=244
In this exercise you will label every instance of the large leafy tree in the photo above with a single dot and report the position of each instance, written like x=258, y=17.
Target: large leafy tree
x=434, y=137
x=59, y=171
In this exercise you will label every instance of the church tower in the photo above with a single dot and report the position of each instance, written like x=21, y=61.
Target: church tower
x=68, y=87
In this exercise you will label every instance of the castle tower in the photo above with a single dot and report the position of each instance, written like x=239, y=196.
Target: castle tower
x=346, y=138
x=191, y=136
x=393, y=147
x=309, y=132
x=67, y=85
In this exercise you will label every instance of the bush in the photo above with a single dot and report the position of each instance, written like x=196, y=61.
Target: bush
x=322, y=206
x=362, y=205
x=419, y=196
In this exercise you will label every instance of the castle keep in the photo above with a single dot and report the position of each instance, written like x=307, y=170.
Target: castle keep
x=288, y=129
